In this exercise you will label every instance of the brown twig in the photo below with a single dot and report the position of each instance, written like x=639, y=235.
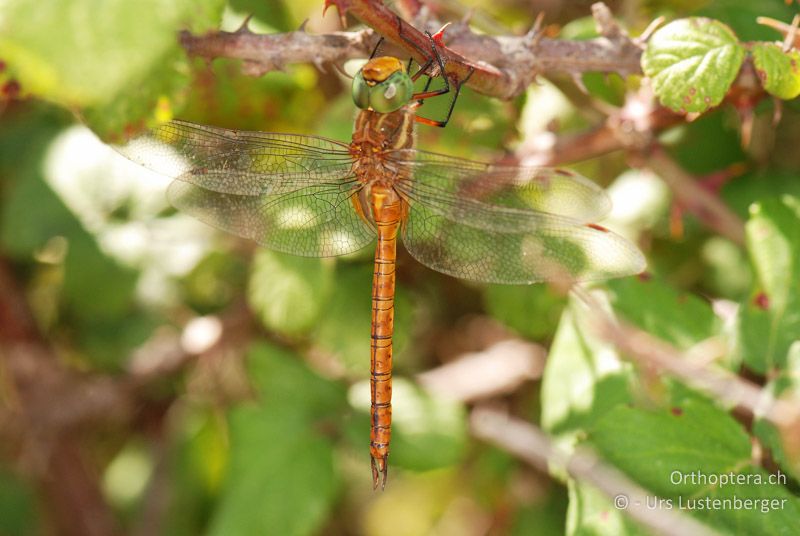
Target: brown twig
x=264, y=53
x=690, y=194
x=499, y=369
x=531, y=445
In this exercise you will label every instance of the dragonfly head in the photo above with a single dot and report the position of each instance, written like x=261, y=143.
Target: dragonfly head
x=382, y=85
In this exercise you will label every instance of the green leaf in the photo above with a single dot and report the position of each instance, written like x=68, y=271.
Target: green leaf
x=591, y=513
x=692, y=63
x=782, y=442
x=532, y=311
x=652, y=305
x=30, y=212
x=281, y=477
x=17, y=507
x=741, y=15
x=583, y=378
x=86, y=52
x=739, y=194
x=197, y=459
x=214, y=282
x=289, y=292
x=692, y=435
x=101, y=53
x=94, y=284
x=714, y=132
x=778, y=71
x=669, y=450
x=275, y=14
x=544, y=517
x=770, y=319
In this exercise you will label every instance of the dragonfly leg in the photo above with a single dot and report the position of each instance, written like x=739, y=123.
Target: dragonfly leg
x=430, y=58
x=421, y=71
x=443, y=123
x=425, y=94
x=377, y=46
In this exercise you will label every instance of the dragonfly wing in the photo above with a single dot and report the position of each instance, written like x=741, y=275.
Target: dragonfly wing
x=240, y=162
x=549, y=249
x=441, y=178
x=315, y=221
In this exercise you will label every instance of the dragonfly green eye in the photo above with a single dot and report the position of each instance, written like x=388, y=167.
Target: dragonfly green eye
x=392, y=94
x=361, y=91
x=382, y=85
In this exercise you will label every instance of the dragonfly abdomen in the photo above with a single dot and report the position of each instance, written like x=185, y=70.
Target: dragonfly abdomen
x=386, y=210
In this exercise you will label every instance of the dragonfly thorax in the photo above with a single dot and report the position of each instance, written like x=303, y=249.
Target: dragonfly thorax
x=376, y=139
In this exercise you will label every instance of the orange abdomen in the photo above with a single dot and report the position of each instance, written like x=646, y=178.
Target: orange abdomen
x=386, y=211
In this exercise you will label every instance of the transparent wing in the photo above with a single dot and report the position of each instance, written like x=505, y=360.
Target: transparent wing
x=288, y=192
x=554, y=250
x=316, y=221
x=507, y=224
x=452, y=184
x=240, y=162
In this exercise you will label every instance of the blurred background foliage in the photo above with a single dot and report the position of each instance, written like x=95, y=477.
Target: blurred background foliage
x=261, y=427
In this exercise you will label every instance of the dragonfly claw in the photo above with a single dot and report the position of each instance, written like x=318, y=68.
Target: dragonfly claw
x=379, y=468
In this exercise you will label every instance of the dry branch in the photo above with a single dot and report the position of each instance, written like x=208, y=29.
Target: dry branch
x=530, y=444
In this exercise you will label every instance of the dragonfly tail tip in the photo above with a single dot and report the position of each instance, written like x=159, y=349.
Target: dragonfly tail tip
x=379, y=468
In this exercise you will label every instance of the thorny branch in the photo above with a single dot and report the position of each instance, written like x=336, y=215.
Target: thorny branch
x=504, y=66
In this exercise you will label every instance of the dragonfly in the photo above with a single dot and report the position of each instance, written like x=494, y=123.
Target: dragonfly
x=317, y=197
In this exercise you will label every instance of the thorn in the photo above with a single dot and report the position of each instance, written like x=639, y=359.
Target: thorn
x=649, y=31
x=577, y=78
x=257, y=68
x=468, y=16
x=437, y=37
x=341, y=7
x=604, y=21
x=302, y=27
x=785, y=29
x=536, y=32
x=791, y=35
x=244, y=29
x=340, y=69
